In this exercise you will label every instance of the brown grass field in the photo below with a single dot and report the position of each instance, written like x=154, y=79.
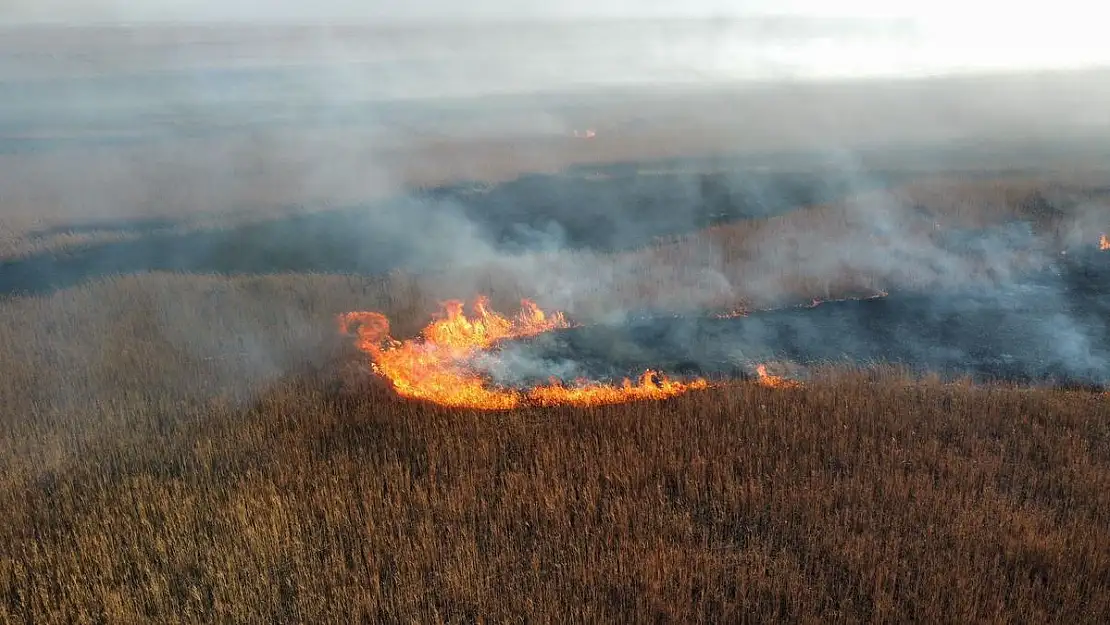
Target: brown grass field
x=862, y=498
x=159, y=463
x=188, y=448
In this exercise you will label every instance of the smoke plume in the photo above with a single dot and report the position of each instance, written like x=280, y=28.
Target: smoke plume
x=266, y=139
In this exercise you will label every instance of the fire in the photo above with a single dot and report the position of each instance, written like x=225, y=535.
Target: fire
x=732, y=314
x=1104, y=243
x=651, y=385
x=774, y=381
x=435, y=367
x=818, y=301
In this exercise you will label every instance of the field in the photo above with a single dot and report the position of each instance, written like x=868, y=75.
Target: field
x=861, y=498
x=186, y=435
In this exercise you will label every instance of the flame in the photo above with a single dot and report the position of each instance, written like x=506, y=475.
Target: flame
x=435, y=367
x=1104, y=243
x=813, y=303
x=651, y=385
x=774, y=381
x=732, y=314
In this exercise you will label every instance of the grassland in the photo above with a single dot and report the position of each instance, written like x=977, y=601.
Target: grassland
x=201, y=448
x=863, y=497
x=179, y=445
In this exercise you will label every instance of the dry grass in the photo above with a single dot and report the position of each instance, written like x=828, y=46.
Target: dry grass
x=860, y=498
x=160, y=463
x=186, y=448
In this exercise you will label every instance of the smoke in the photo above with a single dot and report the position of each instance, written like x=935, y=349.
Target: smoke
x=271, y=149
x=1017, y=333
x=1003, y=301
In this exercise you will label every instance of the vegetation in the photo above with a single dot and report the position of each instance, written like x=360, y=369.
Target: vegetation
x=860, y=497
x=198, y=448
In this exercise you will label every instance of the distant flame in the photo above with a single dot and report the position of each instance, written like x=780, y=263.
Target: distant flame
x=774, y=381
x=436, y=367
x=813, y=303
x=732, y=314
x=1104, y=243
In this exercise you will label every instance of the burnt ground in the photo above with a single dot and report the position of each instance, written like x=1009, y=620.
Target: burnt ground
x=1044, y=328
x=604, y=208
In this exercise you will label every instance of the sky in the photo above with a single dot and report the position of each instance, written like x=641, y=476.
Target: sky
x=77, y=11
x=973, y=34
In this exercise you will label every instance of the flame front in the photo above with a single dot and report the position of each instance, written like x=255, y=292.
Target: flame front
x=651, y=385
x=774, y=381
x=435, y=367
x=1104, y=243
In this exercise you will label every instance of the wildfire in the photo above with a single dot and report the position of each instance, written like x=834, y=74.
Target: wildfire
x=774, y=381
x=813, y=303
x=1104, y=243
x=436, y=368
x=732, y=314
x=651, y=385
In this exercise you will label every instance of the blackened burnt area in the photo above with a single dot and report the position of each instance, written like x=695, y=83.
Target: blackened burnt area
x=628, y=205
x=105, y=226
x=1048, y=328
x=608, y=208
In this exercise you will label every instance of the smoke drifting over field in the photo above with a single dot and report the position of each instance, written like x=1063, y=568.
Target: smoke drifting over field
x=220, y=244
x=338, y=149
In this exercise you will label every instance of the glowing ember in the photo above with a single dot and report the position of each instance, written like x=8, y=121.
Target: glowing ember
x=1104, y=243
x=774, y=381
x=436, y=367
x=732, y=314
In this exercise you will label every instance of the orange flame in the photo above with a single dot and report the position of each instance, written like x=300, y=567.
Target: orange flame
x=1104, y=243
x=651, y=385
x=732, y=314
x=774, y=381
x=435, y=367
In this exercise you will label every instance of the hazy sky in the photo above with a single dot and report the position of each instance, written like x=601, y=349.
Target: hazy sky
x=950, y=34
x=1002, y=13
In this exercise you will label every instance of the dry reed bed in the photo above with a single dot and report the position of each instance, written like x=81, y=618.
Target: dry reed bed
x=863, y=497
x=162, y=459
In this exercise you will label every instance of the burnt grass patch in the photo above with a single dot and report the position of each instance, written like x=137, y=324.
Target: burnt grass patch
x=1043, y=328
x=610, y=208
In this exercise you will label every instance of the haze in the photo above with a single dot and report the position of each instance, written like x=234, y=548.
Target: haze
x=629, y=47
